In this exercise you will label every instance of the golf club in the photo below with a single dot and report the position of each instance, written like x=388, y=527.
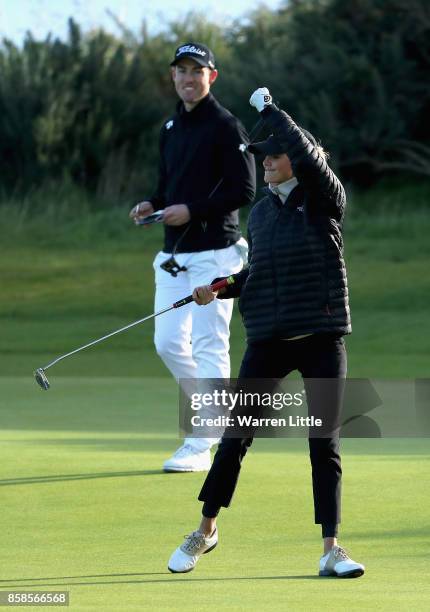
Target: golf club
x=40, y=375
x=256, y=129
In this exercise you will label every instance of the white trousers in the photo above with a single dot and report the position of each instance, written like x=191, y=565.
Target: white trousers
x=193, y=341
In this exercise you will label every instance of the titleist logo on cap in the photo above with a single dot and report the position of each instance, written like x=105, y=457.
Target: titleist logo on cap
x=196, y=51
x=190, y=49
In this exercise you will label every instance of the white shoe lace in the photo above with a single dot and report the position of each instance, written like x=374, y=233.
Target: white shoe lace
x=193, y=542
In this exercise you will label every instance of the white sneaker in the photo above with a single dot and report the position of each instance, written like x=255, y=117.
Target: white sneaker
x=185, y=557
x=188, y=459
x=337, y=563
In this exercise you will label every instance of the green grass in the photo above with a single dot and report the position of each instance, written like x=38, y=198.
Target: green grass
x=85, y=508
x=69, y=278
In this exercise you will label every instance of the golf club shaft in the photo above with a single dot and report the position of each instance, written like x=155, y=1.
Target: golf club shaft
x=256, y=129
x=114, y=333
x=215, y=287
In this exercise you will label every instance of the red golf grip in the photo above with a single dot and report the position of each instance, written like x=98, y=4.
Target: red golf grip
x=215, y=287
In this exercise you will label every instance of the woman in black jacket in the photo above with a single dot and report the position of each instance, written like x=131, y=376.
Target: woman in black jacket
x=294, y=304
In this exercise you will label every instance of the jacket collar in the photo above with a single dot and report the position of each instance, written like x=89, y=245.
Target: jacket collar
x=284, y=189
x=198, y=111
x=295, y=198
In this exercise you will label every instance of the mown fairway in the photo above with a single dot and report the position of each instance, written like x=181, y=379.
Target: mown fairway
x=85, y=506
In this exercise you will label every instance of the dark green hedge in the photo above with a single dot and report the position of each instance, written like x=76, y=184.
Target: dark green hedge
x=89, y=109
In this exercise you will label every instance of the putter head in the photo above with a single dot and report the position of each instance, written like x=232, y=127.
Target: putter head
x=41, y=379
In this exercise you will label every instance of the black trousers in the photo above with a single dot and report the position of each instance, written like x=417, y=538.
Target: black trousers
x=316, y=356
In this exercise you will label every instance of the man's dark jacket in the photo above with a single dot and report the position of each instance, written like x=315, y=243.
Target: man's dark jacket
x=296, y=279
x=199, y=150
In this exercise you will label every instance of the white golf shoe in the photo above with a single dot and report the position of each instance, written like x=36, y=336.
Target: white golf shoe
x=185, y=557
x=337, y=563
x=188, y=459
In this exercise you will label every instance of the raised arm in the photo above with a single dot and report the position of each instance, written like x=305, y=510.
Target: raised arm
x=308, y=161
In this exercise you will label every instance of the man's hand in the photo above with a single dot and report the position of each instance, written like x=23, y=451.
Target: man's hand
x=204, y=295
x=141, y=210
x=260, y=98
x=177, y=214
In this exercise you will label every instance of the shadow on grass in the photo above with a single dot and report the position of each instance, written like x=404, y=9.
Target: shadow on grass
x=75, y=577
x=143, y=444
x=65, y=477
x=388, y=449
x=169, y=578
x=403, y=532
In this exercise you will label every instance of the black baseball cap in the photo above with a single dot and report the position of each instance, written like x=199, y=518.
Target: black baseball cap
x=197, y=52
x=272, y=146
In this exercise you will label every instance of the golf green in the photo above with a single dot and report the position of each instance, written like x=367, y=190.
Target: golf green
x=87, y=509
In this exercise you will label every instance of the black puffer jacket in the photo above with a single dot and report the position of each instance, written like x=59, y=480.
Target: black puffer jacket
x=295, y=282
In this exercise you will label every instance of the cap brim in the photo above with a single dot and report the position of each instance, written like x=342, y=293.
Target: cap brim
x=198, y=60
x=271, y=146
x=265, y=147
